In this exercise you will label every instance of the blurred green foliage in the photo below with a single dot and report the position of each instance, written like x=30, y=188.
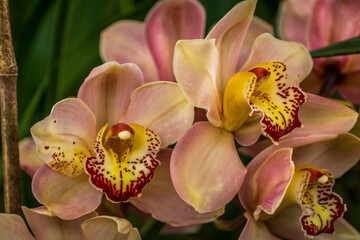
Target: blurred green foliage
x=57, y=44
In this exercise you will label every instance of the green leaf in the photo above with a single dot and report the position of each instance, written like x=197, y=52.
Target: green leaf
x=350, y=46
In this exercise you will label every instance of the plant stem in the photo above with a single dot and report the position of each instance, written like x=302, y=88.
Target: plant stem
x=332, y=75
x=151, y=229
x=9, y=121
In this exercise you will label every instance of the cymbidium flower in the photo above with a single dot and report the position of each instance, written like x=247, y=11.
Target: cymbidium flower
x=319, y=23
x=121, y=161
x=287, y=192
x=44, y=226
x=262, y=96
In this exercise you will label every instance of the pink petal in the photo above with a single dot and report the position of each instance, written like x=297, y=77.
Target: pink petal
x=43, y=225
x=168, y=22
x=30, y=161
x=297, y=59
x=124, y=42
x=107, y=91
x=205, y=167
x=66, y=136
x=336, y=155
x=256, y=28
x=195, y=63
x=254, y=230
x=249, y=132
x=163, y=108
x=230, y=33
x=65, y=197
x=160, y=199
x=108, y=227
x=323, y=116
x=266, y=182
x=295, y=13
x=349, y=87
x=343, y=231
x=13, y=227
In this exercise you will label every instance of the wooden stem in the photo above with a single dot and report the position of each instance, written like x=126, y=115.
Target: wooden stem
x=9, y=121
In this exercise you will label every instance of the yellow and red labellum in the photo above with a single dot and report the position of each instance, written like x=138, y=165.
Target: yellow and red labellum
x=277, y=102
x=125, y=160
x=320, y=206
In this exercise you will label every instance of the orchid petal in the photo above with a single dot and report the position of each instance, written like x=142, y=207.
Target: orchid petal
x=349, y=87
x=254, y=230
x=249, y=132
x=330, y=117
x=12, y=226
x=195, y=63
x=107, y=91
x=286, y=225
x=30, y=161
x=205, y=167
x=43, y=225
x=66, y=136
x=266, y=48
x=161, y=200
x=125, y=161
x=168, y=114
x=256, y=28
x=265, y=184
x=230, y=33
x=295, y=13
x=276, y=101
x=168, y=22
x=124, y=42
x=108, y=227
x=65, y=197
x=326, y=154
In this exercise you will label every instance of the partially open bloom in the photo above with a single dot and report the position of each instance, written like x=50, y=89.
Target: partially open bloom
x=121, y=161
x=44, y=226
x=288, y=191
x=319, y=23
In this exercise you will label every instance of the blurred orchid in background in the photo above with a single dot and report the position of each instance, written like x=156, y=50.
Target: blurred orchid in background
x=317, y=24
x=44, y=226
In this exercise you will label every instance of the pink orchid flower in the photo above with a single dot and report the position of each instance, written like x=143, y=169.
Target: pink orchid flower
x=262, y=96
x=112, y=93
x=44, y=226
x=319, y=23
x=150, y=45
x=287, y=191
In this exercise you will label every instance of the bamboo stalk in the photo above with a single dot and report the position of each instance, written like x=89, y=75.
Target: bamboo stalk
x=9, y=121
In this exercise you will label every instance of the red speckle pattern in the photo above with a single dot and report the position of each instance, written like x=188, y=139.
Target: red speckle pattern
x=122, y=177
x=277, y=102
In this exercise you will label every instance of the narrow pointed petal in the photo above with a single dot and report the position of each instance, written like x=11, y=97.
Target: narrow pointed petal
x=107, y=91
x=108, y=227
x=122, y=167
x=295, y=13
x=195, y=64
x=168, y=22
x=160, y=199
x=326, y=154
x=43, y=225
x=12, y=226
x=276, y=101
x=205, y=167
x=30, y=161
x=350, y=87
x=65, y=197
x=323, y=116
x=295, y=56
x=254, y=230
x=256, y=28
x=124, y=42
x=66, y=136
x=230, y=33
x=266, y=183
x=169, y=114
